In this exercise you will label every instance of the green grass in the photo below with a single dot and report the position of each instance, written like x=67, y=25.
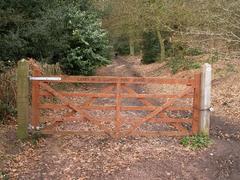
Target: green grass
x=196, y=142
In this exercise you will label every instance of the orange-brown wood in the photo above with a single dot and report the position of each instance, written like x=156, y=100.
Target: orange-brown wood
x=179, y=127
x=196, y=103
x=95, y=121
x=92, y=99
x=77, y=94
x=122, y=80
x=157, y=111
x=154, y=96
x=157, y=133
x=64, y=106
x=64, y=133
x=35, y=66
x=118, y=110
x=151, y=108
x=132, y=92
x=35, y=100
x=192, y=91
x=64, y=119
x=123, y=119
x=123, y=108
x=177, y=124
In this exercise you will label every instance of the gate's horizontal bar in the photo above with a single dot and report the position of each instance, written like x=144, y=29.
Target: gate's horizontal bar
x=45, y=78
x=65, y=132
x=62, y=106
x=155, y=96
x=156, y=133
x=77, y=94
x=107, y=95
x=152, y=108
x=127, y=80
x=124, y=119
x=123, y=108
x=122, y=133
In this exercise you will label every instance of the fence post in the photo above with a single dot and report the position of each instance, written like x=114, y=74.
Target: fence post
x=205, y=99
x=22, y=99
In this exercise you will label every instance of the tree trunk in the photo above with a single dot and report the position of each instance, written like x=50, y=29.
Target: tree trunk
x=131, y=46
x=162, y=46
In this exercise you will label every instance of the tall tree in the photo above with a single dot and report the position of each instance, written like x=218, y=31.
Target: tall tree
x=122, y=18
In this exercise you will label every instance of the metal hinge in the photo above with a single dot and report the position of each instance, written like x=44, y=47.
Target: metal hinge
x=37, y=128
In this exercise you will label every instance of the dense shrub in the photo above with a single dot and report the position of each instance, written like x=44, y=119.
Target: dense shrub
x=151, y=48
x=52, y=32
x=174, y=48
x=179, y=63
x=193, y=51
x=121, y=46
x=89, y=46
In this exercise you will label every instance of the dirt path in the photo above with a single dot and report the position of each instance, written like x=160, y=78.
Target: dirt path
x=221, y=161
x=91, y=157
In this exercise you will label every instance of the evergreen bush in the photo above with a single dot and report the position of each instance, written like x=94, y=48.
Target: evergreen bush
x=89, y=46
x=151, y=48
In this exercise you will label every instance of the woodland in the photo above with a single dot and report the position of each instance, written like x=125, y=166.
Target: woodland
x=141, y=38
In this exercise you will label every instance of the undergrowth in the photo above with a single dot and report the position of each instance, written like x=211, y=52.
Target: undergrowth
x=179, y=63
x=7, y=95
x=196, y=142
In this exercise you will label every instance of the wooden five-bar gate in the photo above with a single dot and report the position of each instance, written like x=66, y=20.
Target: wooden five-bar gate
x=170, y=118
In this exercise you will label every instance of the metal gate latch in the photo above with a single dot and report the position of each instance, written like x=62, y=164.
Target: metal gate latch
x=45, y=78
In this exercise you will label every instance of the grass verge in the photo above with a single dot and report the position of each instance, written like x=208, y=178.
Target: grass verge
x=196, y=142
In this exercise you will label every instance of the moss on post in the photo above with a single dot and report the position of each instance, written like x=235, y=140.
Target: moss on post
x=22, y=99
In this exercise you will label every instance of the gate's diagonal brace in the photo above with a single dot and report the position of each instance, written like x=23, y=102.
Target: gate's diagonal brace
x=147, y=103
x=69, y=114
x=176, y=125
x=69, y=104
x=156, y=111
x=131, y=91
x=92, y=99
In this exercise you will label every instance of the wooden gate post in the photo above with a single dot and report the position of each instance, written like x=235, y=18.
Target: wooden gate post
x=22, y=99
x=205, y=99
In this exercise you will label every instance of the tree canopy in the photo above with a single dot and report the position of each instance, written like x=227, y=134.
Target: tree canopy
x=79, y=33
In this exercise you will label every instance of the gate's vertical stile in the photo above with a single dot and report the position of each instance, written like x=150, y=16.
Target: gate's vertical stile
x=35, y=99
x=118, y=109
x=196, y=103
